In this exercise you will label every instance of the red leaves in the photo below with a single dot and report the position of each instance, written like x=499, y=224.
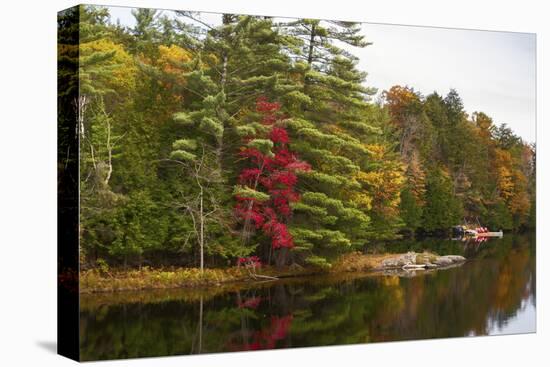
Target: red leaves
x=280, y=326
x=280, y=237
x=253, y=261
x=252, y=303
x=278, y=330
x=285, y=178
x=278, y=135
x=274, y=174
x=248, y=209
x=249, y=175
x=254, y=155
x=262, y=105
x=273, y=331
x=299, y=166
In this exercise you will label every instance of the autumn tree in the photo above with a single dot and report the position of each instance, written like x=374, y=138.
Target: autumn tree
x=267, y=183
x=181, y=164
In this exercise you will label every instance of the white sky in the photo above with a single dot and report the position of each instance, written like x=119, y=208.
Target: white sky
x=493, y=72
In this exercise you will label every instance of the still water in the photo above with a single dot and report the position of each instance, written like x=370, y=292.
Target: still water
x=493, y=293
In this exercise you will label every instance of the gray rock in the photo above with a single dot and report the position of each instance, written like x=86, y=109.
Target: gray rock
x=399, y=261
x=443, y=261
x=409, y=260
x=456, y=258
x=449, y=260
x=394, y=262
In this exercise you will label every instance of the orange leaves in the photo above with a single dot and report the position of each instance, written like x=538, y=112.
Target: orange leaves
x=398, y=100
x=377, y=151
x=172, y=59
x=505, y=184
x=503, y=166
x=383, y=183
x=416, y=177
x=519, y=203
x=106, y=67
x=511, y=183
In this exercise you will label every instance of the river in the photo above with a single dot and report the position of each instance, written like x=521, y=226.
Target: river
x=494, y=292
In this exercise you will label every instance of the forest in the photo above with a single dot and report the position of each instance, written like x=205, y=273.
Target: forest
x=259, y=138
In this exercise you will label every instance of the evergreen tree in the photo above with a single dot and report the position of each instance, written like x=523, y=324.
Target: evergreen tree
x=442, y=209
x=173, y=139
x=411, y=212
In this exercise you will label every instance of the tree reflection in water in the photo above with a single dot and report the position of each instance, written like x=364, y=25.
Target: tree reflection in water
x=475, y=299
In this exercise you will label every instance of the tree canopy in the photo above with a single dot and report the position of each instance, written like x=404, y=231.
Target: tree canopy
x=201, y=143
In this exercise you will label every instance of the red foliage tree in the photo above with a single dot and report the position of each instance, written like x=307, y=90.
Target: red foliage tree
x=277, y=331
x=272, y=173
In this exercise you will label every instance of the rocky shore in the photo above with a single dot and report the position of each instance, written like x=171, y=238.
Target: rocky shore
x=420, y=261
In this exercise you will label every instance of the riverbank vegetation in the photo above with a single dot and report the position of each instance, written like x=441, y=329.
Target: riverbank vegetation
x=105, y=279
x=482, y=298
x=204, y=143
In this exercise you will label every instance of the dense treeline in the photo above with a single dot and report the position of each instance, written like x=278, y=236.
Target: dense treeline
x=201, y=143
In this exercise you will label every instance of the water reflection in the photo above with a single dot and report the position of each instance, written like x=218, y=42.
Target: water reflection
x=492, y=293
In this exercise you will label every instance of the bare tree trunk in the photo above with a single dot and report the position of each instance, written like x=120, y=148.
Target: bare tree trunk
x=92, y=155
x=198, y=169
x=311, y=43
x=201, y=219
x=224, y=72
x=310, y=55
x=81, y=105
x=244, y=324
x=200, y=325
x=280, y=258
x=246, y=227
x=220, y=113
x=109, y=152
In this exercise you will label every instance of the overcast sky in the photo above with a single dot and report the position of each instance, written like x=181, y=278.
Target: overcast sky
x=493, y=72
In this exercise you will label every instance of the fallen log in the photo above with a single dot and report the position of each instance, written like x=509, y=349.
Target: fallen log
x=255, y=276
x=414, y=267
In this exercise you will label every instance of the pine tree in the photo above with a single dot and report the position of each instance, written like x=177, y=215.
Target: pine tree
x=175, y=146
x=442, y=209
x=335, y=133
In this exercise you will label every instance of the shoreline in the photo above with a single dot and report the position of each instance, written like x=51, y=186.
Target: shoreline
x=96, y=281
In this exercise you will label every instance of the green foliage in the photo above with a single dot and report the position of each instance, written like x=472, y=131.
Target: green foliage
x=263, y=145
x=184, y=144
x=499, y=216
x=442, y=208
x=182, y=155
x=249, y=193
x=318, y=262
x=170, y=90
x=411, y=211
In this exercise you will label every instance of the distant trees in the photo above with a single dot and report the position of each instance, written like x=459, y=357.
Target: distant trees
x=202, y=143
x=442, y=209
x=458, y=167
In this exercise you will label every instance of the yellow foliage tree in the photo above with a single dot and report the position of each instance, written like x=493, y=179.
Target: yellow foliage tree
x=172, y=60
x=106, y=69
x=383, y=182
x=503, y=165
x=512, y=183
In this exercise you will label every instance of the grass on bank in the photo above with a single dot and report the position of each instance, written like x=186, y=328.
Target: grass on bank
x=104, y=279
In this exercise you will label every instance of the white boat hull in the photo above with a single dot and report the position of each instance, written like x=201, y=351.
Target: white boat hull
x=489, y=234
